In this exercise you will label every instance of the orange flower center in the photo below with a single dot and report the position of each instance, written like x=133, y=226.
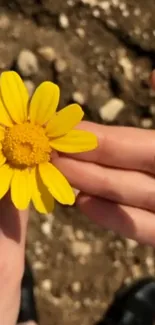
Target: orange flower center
x=26, y=145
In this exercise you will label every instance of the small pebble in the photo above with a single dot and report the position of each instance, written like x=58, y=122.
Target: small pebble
x=80, y=32
x=47, y=53
x=68, y=232
x=87, y=302
x=30, y=86
x=127, y=66
x=79, y=234
x=131, y=244
x=77, y=304
x=38, y=265
x=81, y=249
x=118, y=244
x=105, y=5
x=76, y=287
x=60, y=65
x=46, y=285
x=38, y=251
x=149, y=262
x=4, y=22
x=137, y=12
x=146, y=123
x=128, y=280
x=117, y=264
x=152, y=109
x=111, y=109
x=38, y=248
x=63, y=21
x=27, y=63
x=96, y=13
x=98, y=246
x=46, y=228
x=136, y=271
x=82, y=260
x=78, y=97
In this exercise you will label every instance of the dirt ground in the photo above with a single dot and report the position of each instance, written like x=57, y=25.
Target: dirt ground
x=97, y=51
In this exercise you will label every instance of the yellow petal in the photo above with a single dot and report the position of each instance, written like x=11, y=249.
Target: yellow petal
x=2, y=132
x=75, y=141
x=5, y=119
x=21, y=188
x=2, y=158
x=65, y=120
x=5, y=179
x=44, y=102
x=41, y=197
x=14, y=95
x=57, y=184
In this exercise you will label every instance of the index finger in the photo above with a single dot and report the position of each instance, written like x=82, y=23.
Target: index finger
x=122, y=147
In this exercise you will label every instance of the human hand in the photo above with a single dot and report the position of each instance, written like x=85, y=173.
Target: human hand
x=13, y=225
x=117, y=180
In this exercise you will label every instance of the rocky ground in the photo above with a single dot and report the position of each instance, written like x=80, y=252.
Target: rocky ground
x=101, y=53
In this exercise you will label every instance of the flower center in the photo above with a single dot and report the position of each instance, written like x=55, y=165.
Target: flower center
x=26, y=145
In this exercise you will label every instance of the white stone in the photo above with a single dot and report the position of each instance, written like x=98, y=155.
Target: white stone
x=81, y=249
x=127, y=66
x=47, y=53
x=152, y=109
x=117, y=264
x=105, y=5
x=131, y=244
x=80, y=32
x=136, y=271
x=4, y=22
x=87, y=302
x=30, y=86
x=76, y=287
x=125, y=13
x=96, y=13
x=137, y=12
x=149, y=262
x=38, y=251
x=78, y=97
x=118, y=244
x=79, y=234
x=146, y=123
x=27, y=63
x=60, y=65
x=46, y=285
x=38, y=265
x=68, y=232
x=63, y=21
x=111, y=109
x=46, y=228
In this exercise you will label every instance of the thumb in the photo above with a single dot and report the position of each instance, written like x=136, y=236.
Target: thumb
x=13, y=228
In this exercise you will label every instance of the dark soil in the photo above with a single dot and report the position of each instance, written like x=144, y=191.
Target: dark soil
x=108, y=50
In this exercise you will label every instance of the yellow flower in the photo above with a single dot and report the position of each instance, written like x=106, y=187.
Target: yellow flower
x=29, y=130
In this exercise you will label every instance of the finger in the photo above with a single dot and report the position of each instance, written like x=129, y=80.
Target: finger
x=130, y=222
x=13, y=225
x=124, y=147
x=127, y=187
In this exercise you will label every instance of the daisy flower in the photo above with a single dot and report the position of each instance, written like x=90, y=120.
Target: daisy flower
x=30, y=129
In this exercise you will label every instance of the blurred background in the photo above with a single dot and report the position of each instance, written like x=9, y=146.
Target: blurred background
x=101, y=53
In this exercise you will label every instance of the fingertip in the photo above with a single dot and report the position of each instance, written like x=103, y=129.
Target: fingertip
x=82, y=200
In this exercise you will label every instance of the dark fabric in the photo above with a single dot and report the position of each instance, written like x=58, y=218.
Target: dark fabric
x=28, y=306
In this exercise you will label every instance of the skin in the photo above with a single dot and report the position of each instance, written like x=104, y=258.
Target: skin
x=117, y=191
